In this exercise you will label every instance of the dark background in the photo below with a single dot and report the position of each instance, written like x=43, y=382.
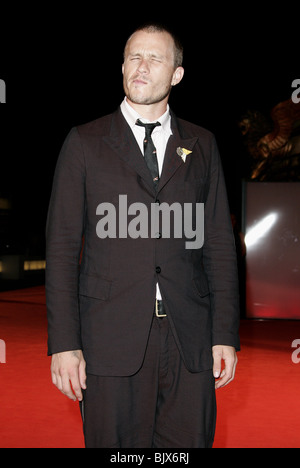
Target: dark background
x=62, y=68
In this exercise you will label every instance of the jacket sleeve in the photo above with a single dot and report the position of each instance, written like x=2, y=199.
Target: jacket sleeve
x=220, y=262
x=64, y=233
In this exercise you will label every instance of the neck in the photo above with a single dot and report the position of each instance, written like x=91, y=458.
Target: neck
x=150, y=112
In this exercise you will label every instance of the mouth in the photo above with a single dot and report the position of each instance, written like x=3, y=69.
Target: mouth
x=139, y=81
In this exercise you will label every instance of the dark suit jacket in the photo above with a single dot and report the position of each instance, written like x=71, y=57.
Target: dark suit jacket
x=101, y=298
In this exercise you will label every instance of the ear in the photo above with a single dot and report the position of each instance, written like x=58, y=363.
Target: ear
x=123, y=69
x=177, y=76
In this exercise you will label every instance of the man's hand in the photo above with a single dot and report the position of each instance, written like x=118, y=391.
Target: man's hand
x=68, y=373
x=228, y=355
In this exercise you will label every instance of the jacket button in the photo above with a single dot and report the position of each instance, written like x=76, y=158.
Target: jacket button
x=158, y=235
x=158, y=270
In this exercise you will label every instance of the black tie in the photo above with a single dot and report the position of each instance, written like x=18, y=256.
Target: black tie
x=150, y=150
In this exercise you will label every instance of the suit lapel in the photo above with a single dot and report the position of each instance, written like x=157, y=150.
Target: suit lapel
x=173, y=161
x=123, y=142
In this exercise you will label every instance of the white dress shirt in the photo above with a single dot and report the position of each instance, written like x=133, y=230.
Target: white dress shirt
x=160, y=137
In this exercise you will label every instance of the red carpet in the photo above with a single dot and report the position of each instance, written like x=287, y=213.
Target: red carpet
x=260, y=409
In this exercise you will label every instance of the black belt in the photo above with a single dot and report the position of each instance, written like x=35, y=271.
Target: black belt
x=160, y=310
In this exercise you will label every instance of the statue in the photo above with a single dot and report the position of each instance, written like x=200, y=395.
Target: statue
x=274, y=145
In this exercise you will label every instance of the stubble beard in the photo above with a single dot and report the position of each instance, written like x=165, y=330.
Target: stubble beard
x=155, y=98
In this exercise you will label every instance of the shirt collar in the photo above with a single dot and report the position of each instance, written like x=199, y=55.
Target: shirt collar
x=131, y=117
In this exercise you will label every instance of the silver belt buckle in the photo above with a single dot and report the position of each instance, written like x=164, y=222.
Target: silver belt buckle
x=156, y=310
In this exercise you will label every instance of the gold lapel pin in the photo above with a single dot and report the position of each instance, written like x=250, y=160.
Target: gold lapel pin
x=183, y=153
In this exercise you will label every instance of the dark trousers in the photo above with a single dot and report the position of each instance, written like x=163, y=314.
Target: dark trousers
x=161, y=406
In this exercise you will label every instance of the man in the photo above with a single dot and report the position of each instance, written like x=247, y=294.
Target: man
x=139, y=325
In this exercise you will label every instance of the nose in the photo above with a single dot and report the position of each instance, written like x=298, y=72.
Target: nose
x=143, y=67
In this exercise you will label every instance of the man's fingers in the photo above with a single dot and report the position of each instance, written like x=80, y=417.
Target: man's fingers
x=54, y=379
x=228, y=355
x=68, y=374
x=225, y=379
x=217, y=371
x=82, y=375
x=75, y=381
x=69, y=386
x=217, y=364
x=66, y=387
x=227, y=374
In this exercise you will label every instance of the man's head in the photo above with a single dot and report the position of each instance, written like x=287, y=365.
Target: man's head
x=152, y=65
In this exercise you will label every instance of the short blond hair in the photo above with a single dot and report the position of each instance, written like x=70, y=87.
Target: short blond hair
x=156, y=27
